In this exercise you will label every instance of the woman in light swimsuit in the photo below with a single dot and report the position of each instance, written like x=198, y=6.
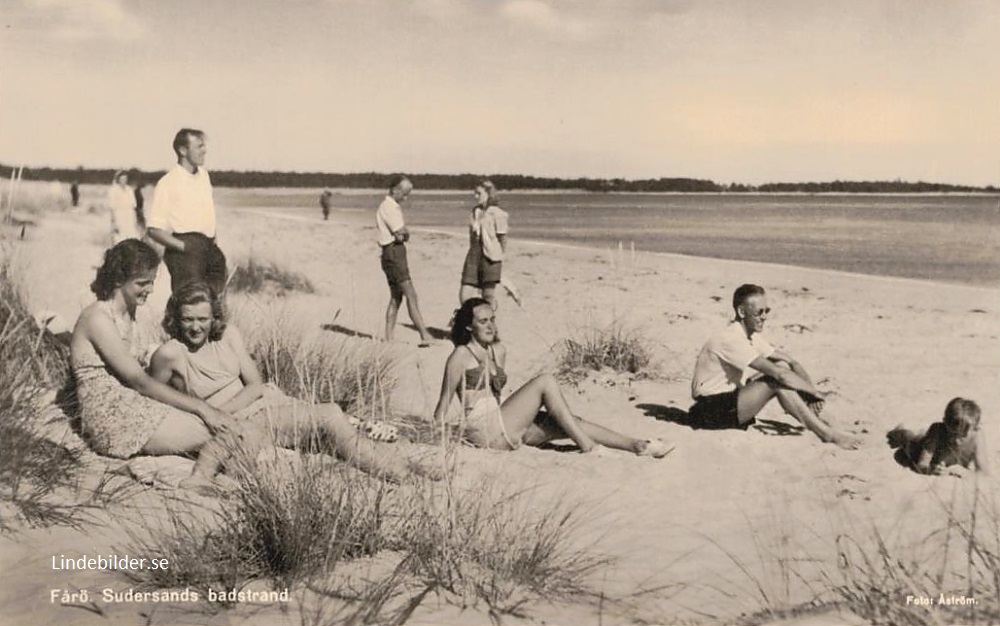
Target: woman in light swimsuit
x=207, y=358
x=534, y=414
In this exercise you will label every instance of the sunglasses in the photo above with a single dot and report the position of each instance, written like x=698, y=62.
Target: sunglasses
x=759, y=312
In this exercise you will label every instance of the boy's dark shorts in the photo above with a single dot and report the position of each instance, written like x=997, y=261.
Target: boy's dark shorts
x=397, y=270
x=480, y=272
x=718, y=412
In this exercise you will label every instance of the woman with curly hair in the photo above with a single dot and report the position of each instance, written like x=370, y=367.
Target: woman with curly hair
x=207, y=358
x=534, y=414
x=487, y=245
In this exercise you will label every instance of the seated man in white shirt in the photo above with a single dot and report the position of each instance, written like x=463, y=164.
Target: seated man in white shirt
x=182, y=217
x=724, y=398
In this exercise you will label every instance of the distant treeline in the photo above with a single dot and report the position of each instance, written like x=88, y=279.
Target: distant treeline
x=377, y=180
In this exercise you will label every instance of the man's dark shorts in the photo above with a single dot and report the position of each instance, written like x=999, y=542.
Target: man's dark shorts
x=201, y=262
x=718, y=412
x=480, y=272
x=394, y=264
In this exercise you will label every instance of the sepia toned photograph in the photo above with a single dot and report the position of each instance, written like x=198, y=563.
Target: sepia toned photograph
x=499, y=312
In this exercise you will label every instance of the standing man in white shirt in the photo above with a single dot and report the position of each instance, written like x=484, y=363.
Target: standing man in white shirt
x=724, y=398
x=182, y=217
x=392, y=238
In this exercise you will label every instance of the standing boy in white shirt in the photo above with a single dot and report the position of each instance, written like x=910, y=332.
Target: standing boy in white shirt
x=182, y=217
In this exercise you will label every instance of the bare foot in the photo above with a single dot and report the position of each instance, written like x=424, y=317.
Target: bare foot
x=847, y=441
x=656, y=448
x=205, y=486
x=429, y=470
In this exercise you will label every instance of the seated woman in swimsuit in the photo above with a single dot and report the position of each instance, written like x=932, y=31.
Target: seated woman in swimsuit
x=475, y=373
x=123, y=410
x=207, y=358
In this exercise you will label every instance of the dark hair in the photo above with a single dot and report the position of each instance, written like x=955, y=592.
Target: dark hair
x=961, y=411
x=181, y=139
x=194, y=293
x=743, y=293
x=123, y=261
x=396, y=180
x=460, y=333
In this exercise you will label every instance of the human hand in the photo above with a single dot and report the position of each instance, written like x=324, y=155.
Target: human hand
x=218, y=422
x=816, y=405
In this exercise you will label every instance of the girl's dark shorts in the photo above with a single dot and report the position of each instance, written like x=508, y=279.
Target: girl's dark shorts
x=717, y=412
x=397, y=270
x=479, y=271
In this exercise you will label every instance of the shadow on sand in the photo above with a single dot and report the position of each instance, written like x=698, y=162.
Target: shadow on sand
x=436, y=333
x=343, y=330
x=667, y=414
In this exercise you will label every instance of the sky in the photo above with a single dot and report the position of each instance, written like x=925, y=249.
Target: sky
x=746, y=91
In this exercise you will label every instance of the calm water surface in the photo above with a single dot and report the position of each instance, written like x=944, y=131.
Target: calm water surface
x=943, y=238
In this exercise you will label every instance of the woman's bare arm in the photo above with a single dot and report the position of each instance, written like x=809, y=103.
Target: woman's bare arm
x=253, y=382
x=454, y=369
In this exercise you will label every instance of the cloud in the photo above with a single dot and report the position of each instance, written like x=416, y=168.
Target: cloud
x=544, y=17
x=75, y=20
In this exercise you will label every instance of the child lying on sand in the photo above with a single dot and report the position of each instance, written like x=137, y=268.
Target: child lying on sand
x=954, y=441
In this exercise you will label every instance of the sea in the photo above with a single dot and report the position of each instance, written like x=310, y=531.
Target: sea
x=952, y=238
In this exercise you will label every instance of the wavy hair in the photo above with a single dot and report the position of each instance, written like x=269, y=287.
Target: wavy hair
x=460, y=333
x=194, y=293
x=123, y=261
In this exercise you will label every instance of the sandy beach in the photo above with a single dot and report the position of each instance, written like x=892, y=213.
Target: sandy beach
x=693, y=530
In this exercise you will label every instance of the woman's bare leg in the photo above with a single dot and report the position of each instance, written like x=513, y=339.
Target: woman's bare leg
x=490, y=295
x=324, y=426
x=545, y=429
x=466, y=292
x=520, y=410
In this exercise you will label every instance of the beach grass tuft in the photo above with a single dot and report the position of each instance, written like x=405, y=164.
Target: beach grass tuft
x=616, y=346
x=255, y=275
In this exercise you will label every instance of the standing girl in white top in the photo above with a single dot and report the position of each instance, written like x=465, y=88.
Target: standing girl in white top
x=121, y=198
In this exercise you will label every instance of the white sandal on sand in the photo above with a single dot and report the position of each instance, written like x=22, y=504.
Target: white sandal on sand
x=656, y=448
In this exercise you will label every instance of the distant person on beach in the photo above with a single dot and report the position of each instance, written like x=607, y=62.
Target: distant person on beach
x=724, y=398
x=207, y=358
x=121, y=199
x=956, y=440
x=534, y=414
x=74, y=194
x=140, y=202
x=182, y=217
x=392, y=238
x=326, y=203
x=487, y=245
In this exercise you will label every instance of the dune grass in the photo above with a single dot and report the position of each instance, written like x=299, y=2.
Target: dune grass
x=32, y=467
x=255, y=275
x=616, y=346
x=315, y=367
x=939, y=565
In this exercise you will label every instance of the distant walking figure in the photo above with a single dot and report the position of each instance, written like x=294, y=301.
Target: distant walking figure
x=140, y=202
x=392, y=238
x=121, y=198
x=725, y=399
x=182, y=217
x=326, y=203
x=74, y=194
x=487, y=244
